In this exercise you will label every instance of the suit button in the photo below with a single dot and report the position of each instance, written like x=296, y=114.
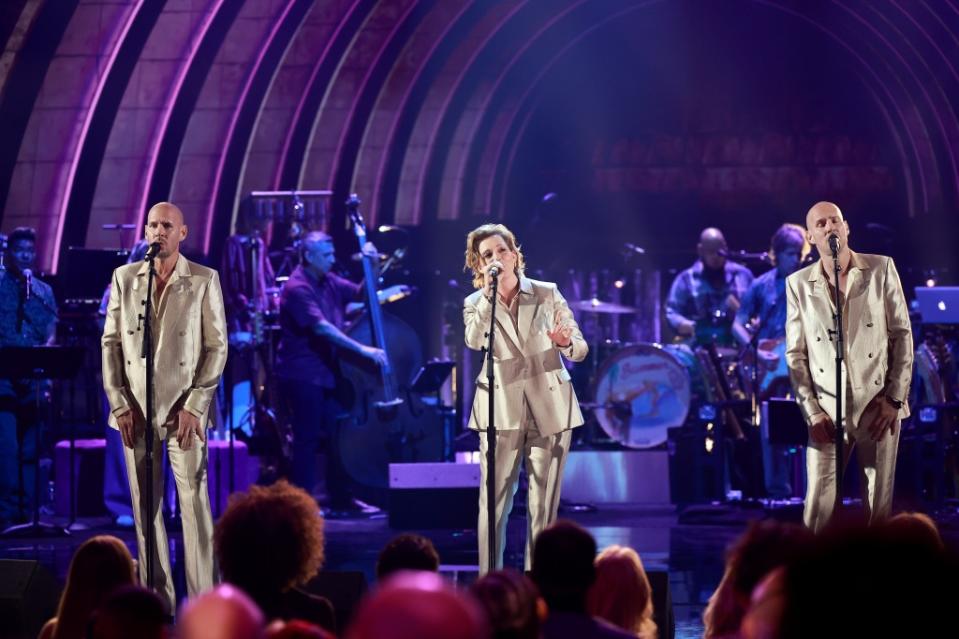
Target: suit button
x=870, y=354
x=551, y=388
x=182, y=333
x=869, y=325
x=182, y=363
x=497, y=385
x=129, y=332
x=877, y=382
x=128, y=362
x=821, y=370
x=818, y=339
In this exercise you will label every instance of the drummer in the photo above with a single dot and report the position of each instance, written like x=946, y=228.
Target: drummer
x=312, y=317
x=704, y=298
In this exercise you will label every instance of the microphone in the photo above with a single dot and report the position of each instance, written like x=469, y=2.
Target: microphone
x=28, y=279
x=152, y=252
x=834, y=244
x=494, y=272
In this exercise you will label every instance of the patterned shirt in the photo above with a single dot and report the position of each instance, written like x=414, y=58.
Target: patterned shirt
x=36, y=324
x=694, y=297
x=766, y=301
x=306, y=301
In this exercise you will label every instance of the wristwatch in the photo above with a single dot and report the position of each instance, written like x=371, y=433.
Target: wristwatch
x=896, y=403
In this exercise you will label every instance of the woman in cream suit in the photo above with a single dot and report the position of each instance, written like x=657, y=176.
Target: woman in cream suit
x=877, y=365
x=535, y=404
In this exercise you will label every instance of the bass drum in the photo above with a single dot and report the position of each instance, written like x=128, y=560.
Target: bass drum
x=644, y=389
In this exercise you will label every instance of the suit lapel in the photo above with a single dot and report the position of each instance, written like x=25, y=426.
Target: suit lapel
x=858, y=279
x=528, y=305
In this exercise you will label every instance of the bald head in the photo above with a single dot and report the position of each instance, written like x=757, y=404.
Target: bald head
x=710, y=247
x=820, y=210
x=169, y=210
x=418, y=605
x=222, y=613
x=825, y=219
x=165, y=225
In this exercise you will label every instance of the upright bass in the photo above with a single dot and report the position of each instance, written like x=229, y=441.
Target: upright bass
x=386, y=423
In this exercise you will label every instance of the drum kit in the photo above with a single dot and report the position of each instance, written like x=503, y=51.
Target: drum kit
x=639, y=390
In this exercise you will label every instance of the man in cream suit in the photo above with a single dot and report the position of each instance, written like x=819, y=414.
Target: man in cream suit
x=535, y=404
x=877, y=365
x=190, y=348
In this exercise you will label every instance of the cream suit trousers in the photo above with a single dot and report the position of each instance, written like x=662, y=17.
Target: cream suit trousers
x=190, y=472
x=877, y=472
x=545, y=456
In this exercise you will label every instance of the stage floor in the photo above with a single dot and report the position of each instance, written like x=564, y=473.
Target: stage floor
x=690, y=546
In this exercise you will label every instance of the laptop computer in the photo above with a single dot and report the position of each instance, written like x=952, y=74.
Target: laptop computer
x=938, y=304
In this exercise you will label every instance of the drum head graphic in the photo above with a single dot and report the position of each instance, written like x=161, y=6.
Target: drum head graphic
x=641, y=391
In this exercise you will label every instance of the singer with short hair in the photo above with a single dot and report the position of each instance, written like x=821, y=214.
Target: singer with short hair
x=878, y=365
x=190, y=352
x=536, y=406
x=28, y=317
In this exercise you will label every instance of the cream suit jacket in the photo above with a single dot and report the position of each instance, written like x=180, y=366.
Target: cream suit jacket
x=190, y=343
x=525, y=363
x=878, y=338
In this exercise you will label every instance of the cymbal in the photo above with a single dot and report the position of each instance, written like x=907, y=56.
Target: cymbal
x=596, y=306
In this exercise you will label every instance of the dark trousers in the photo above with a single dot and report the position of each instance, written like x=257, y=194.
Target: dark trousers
x=19, y=437
x=313, y=412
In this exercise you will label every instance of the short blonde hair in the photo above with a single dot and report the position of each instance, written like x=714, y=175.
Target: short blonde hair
x=474, y=262
x=621, y=593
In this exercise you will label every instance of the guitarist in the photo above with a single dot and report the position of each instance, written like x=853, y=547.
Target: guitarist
x=762, y=317
x=312, y=316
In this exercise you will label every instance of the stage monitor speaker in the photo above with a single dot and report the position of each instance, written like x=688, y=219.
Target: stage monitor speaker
x=434, y=495
x=662, y=604
x=344, y=589
x=696, y=465
x=28, y=598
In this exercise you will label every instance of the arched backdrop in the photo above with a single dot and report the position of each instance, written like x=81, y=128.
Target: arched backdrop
x=646, y=118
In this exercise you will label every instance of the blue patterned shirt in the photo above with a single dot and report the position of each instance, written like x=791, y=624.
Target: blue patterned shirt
x=766, y=301
x=39, y=318
x=693, y=297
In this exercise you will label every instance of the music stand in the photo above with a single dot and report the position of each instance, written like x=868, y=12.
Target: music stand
x=431, y=376
x=39, y=363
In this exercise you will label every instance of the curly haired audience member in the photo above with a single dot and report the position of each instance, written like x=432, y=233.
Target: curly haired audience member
x=408, y=551
x=100, y=566
x=621, y=593
x=512, y=604
x=269, y=542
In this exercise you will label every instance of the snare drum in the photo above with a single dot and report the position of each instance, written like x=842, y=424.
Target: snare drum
x=644, y=389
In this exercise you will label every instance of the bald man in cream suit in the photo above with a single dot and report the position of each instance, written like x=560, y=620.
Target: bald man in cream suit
x=190, y=350
x=877, y=365
x=536, y=407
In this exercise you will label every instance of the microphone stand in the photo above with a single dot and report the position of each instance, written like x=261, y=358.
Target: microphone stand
x=146, y=351
x=491, y=531
x=840, y=350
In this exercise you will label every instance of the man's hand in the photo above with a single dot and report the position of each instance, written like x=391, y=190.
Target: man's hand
x=878, y=417
x=127, y=425
x=562, y=333
x=376, y=355
x=187, y=425
x=686, y=328
x=822, y=430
